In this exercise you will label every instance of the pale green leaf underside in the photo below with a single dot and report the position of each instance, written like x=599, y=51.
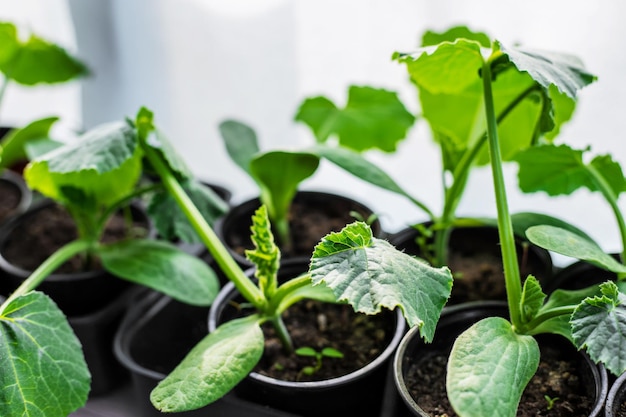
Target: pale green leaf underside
x=163, y=267
x=212, y=368
x=370, y=273
x=240, y=141
x=158, y=141
x=15, y=141
x=571, y=244
x=105, y=163
x=566, y=72
x=489, y=367
x=532, y=299
x=599, y=325
x=44, y=373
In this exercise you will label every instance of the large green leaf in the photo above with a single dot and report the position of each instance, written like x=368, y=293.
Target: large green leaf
x=599, y=326
x=524, y=220
x=566, y=243
x=212, y=368
x=369, y=273
x=373, y=118
x=561, y=170
x=489, y=367
x=566, y=72
x=450, y=35
x=172, y=223
x=14, y=142
x=241, y=143
x=163, y=267
x=279, y=173
x=36, y=60
x=105, y=164
x=44, y=373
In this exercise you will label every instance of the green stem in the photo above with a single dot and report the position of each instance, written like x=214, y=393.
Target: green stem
x=286, y=290
x=547, y=315
x=282, y=332
x=611, y=197
x=48, y=267
x=225, y=261
x=505, y=227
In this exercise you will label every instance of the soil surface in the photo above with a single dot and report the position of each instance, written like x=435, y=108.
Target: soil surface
x=32, y=241
x=9, y=200
x=308, y=221
x=557, y=377
x=360, y=338
x=475, y=260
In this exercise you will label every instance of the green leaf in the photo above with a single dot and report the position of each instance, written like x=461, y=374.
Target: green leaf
x=104, y=163
x=532, y=299
x=433, y=38
x=241, y=143
x=44, y=373
x=163, y=267
x=566, y=243
x=357, y=165
x=37, y=60
x=306, y=351
x=373, y=118
x=369, y=273
x=279, y=173
x=557, y=170
x=9, y=42
x=566, y=72
x=15, y=141
x=157, y=140
x=265, y=256
x=212, y=368
x=331, y=353
x=172, y=223
x=599, y=326
x=489, y=367
x=523, y=221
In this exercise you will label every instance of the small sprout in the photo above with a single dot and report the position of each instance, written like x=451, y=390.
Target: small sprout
x=310, y=352
x=550, y=401
x=358, y=216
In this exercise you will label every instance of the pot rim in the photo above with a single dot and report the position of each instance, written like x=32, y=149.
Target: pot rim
x=616, y=395
x=598, y=371
x=18, y=181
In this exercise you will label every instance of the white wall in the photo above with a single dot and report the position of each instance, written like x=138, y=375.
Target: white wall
x=196, y=62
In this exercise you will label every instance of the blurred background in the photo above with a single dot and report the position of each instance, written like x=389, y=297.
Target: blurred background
x=198, y=62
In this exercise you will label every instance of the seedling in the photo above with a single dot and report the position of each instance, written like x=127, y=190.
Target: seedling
x=453, y=111
x=551, y=401
x=92, y=179
x=371, y=118
x=224, y=357
x=326, y=352
x=507, y=350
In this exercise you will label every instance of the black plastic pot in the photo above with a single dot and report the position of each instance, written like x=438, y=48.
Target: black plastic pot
x=234, y=228
x=14, y=184
x=93, y=301
x=358, y=393
x=474, y=240
x=155, y=335
x=454, y=320
x=616, y=399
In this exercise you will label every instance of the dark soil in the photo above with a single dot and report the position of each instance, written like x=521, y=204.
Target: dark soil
x=475, y=260
x=556, y=377
x=360, y=338
x=10, y=197
x=34, y=240
x=309, y=221
x=622, y=410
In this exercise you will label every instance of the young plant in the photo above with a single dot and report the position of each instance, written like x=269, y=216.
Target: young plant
x=34, y=61
x=308, y=351
x=21, y=144
x=524, y=111
x=506, y=350
x=372, y=118
x=351, y=266
x=92, y=179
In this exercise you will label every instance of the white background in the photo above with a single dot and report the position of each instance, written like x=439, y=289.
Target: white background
x=197, y=62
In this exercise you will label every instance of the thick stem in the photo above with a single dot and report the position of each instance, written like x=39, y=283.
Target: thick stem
x=282, y=333
x=547, y=315
x=48, y=267
x=225, y=261
x=505, y=227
